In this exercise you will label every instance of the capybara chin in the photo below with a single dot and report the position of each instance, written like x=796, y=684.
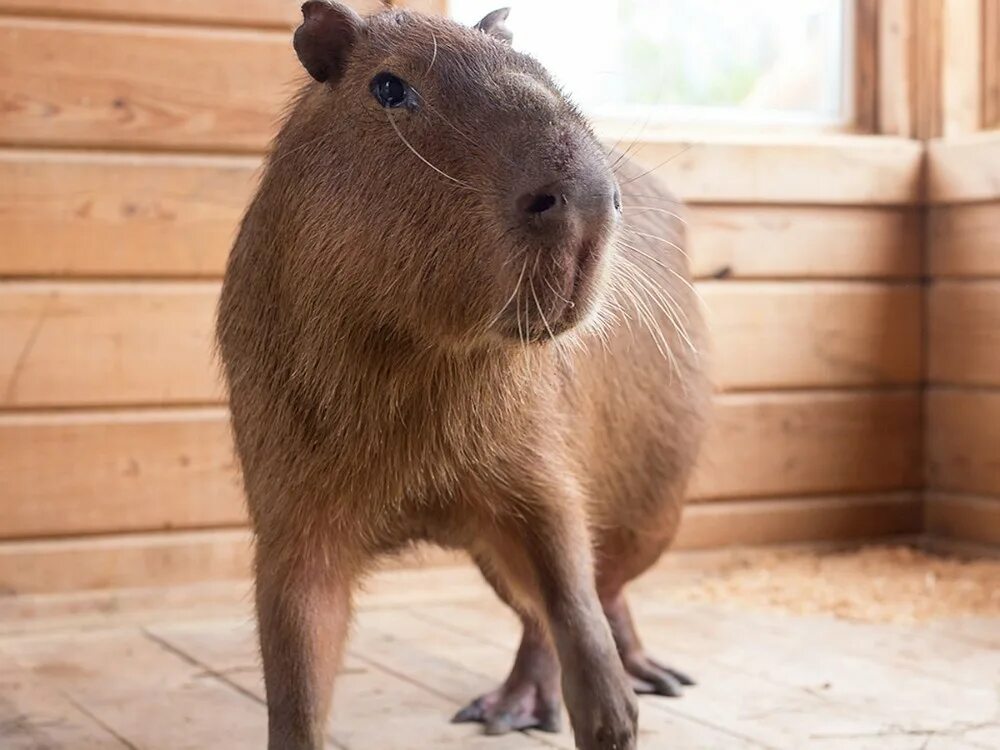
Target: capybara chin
x=451, y=316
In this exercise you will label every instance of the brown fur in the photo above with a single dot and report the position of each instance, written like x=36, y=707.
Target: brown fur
x=383, y=394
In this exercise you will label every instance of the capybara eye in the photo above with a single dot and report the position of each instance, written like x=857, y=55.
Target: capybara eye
x=390, y=91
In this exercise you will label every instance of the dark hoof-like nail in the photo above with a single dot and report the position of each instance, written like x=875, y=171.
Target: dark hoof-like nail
x=472, y=713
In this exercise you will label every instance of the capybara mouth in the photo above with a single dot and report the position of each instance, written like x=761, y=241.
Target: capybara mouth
x=570, y=300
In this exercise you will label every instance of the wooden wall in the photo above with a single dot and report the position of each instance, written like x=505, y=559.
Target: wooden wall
x=963, y=397
x=130, y=135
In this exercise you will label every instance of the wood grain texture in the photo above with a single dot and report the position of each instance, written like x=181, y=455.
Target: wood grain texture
x=35, y=715
x=101, y=472
x=100, y=344
x=991, y=63
x=275, y=14
x=82, y=214
x=964, y=169
x=766, y=445
x=964, y=333
x=963, y=440
x=896, y=105
x=866, y=60
x=135, y=470
x=966, y=517
x=964, y=240
x=854, y=170
x=961, y=72
x=814, y=519
x=147, y=215
x=155, y=559
x=797, y=242
x=150, y=343
x=801, y=335
x=91, y=84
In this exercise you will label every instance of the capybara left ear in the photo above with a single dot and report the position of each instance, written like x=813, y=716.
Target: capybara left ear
x=493, y=24
x=325, y=38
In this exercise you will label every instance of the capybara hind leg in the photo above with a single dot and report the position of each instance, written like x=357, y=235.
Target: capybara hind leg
x=623, y=556
x=530, y=697
x=302, y=613
x=649, y=676
x=545, y=556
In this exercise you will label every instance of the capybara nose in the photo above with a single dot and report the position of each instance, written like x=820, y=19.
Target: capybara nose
x=544, y=205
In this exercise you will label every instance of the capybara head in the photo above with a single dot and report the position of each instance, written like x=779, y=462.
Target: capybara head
x=445, y=189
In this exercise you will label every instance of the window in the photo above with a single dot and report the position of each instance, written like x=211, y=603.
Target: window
x=667, y=62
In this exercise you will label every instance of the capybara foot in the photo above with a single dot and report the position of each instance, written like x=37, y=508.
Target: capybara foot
x=514, y=706
x=650, y=677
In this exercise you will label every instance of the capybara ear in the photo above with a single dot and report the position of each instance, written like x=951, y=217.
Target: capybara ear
x=493, y=24
x=325, y=38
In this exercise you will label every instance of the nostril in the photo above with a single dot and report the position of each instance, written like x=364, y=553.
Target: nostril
x=617, y=199
x=538, y=203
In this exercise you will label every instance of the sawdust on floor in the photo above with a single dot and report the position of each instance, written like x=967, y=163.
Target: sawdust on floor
x=874, y=584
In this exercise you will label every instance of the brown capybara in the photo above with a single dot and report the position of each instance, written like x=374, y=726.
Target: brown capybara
x=451, y=316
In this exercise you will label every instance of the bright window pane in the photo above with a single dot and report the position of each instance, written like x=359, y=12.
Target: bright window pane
x=681, y=60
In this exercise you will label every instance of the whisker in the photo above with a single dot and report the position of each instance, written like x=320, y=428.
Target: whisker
x=662, y=164
x=517, y=286
x=664, y=240
x=419, y=156
x=661, y=297
x=551, y=289
x=538, y=305
x=433, y=55
x=640, y=209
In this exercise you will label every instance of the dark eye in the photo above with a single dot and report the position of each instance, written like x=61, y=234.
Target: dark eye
x=389, y=91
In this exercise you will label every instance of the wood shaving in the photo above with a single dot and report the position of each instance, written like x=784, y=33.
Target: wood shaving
x=875, y=584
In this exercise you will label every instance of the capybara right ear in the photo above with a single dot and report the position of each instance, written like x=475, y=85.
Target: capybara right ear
x=325, y=38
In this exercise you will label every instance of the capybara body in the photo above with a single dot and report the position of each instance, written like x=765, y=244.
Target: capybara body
x=451, y=316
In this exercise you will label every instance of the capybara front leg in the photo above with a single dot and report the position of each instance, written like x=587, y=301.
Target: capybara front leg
x=303, y=610
x=546, y=555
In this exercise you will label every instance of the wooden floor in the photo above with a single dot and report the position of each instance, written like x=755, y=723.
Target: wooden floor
x=177, y=670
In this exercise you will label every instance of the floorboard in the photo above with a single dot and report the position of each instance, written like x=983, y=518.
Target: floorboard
x=180, y=671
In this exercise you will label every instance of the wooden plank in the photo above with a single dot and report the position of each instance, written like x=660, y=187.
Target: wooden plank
x=927, y=55
x=178, y=558
x=965, y=169
x=968, y=517
x=866, y=73
x=991, y=63
x=155, y=559
x=896, y=105
x=99, y=214
x=962, y=240
x=99, y=472
x=123, y=561
x=961, y=72
x=856, y=170
x=124, y=678
x=105, y=344
x=774, y=444
x=964, y=333
x=814, y=519
x=91, y=84
x=34, y=716
x=802, y=335
x=373, y=707
x=799, y=242
x=98, y=344
x=277, y=14
x=962, y=437
x=104, y=472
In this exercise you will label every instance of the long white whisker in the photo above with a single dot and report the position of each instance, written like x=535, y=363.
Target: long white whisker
x=512, y=295
x=419, y=156
x=640, y=209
